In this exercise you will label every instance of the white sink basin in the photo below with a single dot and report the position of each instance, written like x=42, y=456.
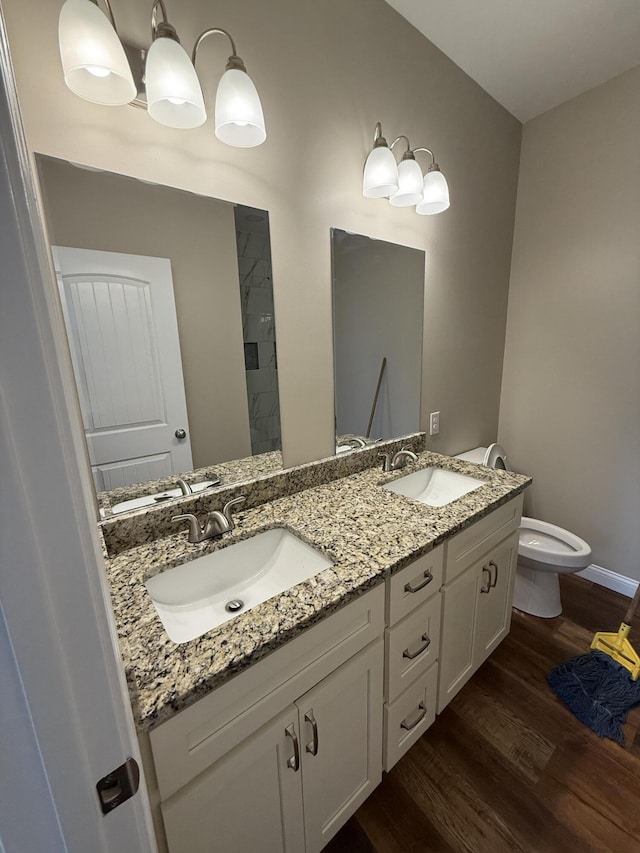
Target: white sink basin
x=151, y=500
x=191, y=598
x=435, y=486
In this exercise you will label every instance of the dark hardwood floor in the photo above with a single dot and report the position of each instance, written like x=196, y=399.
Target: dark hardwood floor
x=506, y=767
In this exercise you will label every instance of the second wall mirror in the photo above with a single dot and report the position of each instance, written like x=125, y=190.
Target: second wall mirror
x=378, y=305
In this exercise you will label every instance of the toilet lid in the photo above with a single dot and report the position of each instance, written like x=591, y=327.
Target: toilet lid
x=495, y=457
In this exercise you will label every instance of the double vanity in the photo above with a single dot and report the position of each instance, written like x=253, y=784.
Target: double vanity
x=361, y=602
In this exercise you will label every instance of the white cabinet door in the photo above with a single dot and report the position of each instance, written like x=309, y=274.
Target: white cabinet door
x=459, y=612
x=342, y=763
x=249, y=801
x=494, y=607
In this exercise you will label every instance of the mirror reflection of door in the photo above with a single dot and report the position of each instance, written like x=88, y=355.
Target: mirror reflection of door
x=120, y=315
x=378, y=306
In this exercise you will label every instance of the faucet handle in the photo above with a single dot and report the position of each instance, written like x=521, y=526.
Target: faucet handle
x=195, y=530
x=386, y=462
x=226, y=510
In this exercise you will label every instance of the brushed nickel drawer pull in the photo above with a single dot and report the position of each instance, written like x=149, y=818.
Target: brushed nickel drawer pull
x=313, y=746
x=494, y=581
x=421, y=715
x=426, y=642
x=293, y=763
x=486, y=588
x=428, y=577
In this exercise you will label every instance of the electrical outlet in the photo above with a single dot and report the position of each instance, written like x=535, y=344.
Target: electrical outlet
x=434, y=423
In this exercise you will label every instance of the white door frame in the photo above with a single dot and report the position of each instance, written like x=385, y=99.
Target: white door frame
x=52, y=583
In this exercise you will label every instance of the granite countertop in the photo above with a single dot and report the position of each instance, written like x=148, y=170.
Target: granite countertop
x=368, y=533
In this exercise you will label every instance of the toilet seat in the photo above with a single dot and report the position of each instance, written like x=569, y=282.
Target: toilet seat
x=553, y=546
x=496, y=457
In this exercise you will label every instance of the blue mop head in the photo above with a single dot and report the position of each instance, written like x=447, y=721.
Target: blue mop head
x=598, y=691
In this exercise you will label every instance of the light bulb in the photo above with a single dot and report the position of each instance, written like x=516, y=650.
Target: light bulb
x=93, y=59
x=97, y=71
x=380, y=177
x=174, y=96
x=410, y=184
x=436, y=194
x=239, y=119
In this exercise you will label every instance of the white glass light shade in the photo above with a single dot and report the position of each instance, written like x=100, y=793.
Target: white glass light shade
x=410, y=185
x=93, y=59
x=238, y=113
x=436, y=194
x=174, y=96
x=380, y=173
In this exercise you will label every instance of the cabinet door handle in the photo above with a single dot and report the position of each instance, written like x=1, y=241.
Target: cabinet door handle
x=313, y=746
x=494, y=581
x=426, y=642
x=428, y=577
x=422, y=713
x=486, y=588
x=294, y=761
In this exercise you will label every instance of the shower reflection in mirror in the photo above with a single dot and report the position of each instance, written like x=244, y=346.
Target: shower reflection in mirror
x=378, y=305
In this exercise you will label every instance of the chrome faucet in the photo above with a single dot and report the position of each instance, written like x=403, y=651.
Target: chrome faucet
x=398, y=461
x=216, y=522
x=185, y=488
x=356, y=441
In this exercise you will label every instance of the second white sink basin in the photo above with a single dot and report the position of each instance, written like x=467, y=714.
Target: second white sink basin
x=435, y=486
x=192, y=599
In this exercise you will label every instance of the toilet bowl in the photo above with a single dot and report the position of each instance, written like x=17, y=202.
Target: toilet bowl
x=544, y=551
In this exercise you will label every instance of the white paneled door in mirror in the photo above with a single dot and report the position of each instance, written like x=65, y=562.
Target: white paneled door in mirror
x=121, y=322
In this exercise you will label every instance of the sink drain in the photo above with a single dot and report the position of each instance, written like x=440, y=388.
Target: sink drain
x=234, y=605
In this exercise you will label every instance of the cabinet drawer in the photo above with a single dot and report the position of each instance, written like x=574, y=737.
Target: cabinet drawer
x=468, y=546
x=412, y=645
x=414, y=584
x=194, y=739
x=409, y=716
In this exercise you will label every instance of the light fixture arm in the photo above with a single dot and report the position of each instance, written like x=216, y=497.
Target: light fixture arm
x=398, y=138
x=109, y=12
x=434, y=166
x=234, y=60
x=162, y=29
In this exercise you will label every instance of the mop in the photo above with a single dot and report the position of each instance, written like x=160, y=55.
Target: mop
x=601, y=687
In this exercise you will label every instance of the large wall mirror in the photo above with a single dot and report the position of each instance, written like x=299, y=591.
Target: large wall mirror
x=168, y=303
x=378, y=307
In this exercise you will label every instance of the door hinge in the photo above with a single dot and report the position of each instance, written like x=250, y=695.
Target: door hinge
x=117, y=786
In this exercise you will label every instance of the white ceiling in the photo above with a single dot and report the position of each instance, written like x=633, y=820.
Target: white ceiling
x=532, y=55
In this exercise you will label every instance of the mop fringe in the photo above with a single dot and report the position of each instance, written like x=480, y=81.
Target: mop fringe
x=598, y=691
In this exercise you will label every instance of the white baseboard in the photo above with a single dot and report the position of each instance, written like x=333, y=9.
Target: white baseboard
x=612, y=580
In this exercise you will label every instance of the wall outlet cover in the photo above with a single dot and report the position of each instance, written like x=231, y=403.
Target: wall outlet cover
x=434, y=423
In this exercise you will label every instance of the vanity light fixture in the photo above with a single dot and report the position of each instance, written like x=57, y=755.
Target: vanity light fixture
x=96, y=68
x=403, y=183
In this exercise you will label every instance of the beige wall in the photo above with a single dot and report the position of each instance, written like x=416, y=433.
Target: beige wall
x=570, y=410
x=93, y=210
x=326, y=71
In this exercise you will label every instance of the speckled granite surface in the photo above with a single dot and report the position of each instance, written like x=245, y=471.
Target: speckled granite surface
x=367, y=531
x=230, y=472
x=128, y=529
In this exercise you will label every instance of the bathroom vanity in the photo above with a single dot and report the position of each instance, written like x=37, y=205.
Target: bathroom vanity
x=268, y=732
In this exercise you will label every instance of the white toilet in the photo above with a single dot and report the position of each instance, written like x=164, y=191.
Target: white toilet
x=545, y=550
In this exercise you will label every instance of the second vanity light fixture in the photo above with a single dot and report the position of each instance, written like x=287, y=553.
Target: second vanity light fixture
x=403, y=183
x=96, y=67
